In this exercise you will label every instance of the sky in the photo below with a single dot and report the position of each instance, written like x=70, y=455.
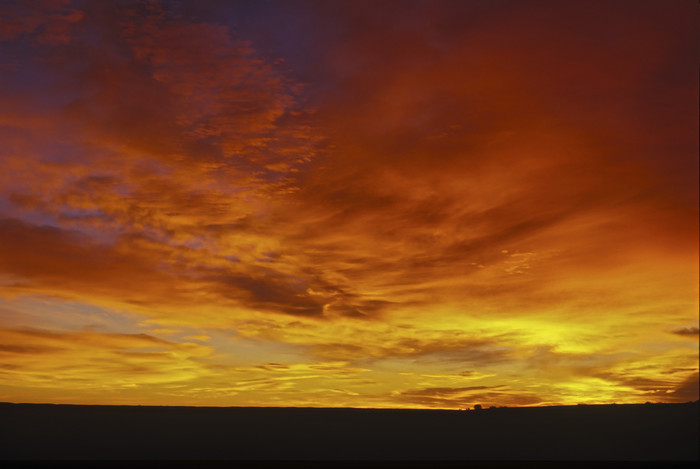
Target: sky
x=385, y=204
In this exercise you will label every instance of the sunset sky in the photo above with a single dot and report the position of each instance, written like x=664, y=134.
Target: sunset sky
x=349, y=203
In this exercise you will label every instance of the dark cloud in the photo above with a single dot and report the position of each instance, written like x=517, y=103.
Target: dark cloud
x=687, y=390
x=226, y=97
x=45, y=21
x=52, y=260
x=273, y=367
x=667, y=389
x=687, y=331
x=270, y=291
x=31, y=350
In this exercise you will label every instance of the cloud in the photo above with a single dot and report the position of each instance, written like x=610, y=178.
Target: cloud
x=270, y=291
x=687, y=390
x=27, y=349
x=397, y=213
x=59, y=262
x=56, y=261
x=687, y=331
x=167, y=129
x=468, y=396
x=669, y=387
x=46, y=21
x=96, y=360
x=447, y=391
x=348, y=338
x=411, y=188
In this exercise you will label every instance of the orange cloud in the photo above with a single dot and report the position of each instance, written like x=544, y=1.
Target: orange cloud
x=485, y=203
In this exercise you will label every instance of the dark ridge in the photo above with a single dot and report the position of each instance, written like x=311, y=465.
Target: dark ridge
x=206, y=464
x=631, y=435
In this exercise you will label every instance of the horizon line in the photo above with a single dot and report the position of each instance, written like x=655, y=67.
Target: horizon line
x=468, y=409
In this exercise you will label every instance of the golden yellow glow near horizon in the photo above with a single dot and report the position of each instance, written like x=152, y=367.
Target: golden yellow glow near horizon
x=432, y=207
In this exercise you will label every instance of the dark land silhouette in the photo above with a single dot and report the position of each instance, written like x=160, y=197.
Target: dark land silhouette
x=610, y=434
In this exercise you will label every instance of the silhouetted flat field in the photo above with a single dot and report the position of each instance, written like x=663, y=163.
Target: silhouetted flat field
x=642, y=435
